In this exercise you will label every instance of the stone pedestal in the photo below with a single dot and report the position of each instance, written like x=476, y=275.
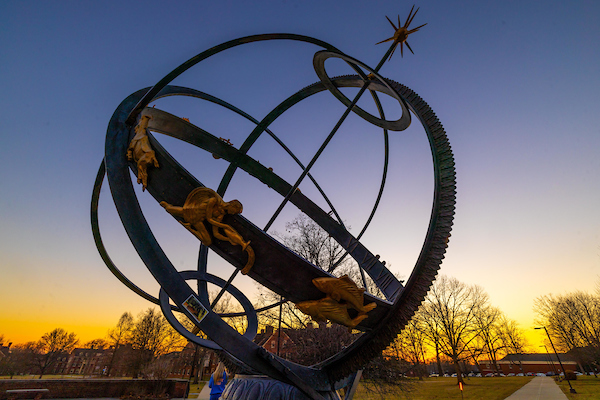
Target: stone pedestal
x=260, y=387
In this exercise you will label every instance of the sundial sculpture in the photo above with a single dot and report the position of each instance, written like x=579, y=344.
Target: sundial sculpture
x=220, y=225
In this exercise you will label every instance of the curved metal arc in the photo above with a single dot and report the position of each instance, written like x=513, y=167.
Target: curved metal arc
x=202, y=271
x=386, y=157
x=381, y=186
x=196, y=136
x=313, y=180
x=432, y=252
x=319, y=64
x=263, y=126
x=316, y=156
x=180, y=90
x=249, y=313
x=426, y=267
x=210, y=52
x=136, y=226
x=100, y=244
x=200, y=138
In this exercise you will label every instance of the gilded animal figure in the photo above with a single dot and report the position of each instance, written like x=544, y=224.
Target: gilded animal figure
x=141, y=152
x=329, y=309
x=344, y=289
x=341, y=294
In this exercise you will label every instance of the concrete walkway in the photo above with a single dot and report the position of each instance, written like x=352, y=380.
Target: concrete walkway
x=540, y=388
x=204, y=393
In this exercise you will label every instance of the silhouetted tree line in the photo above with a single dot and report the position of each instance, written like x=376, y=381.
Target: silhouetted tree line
x=39, y=356
x=129, y=349
x=573, y=323
x=456, y=323
x=455, y=326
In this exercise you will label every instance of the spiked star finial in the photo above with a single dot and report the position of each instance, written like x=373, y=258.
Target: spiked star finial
x=402, y=33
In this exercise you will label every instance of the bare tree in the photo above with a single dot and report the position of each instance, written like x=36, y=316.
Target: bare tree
x=226, y=306
x=100, y=344
x=314, y=345
x=286, y=313
x=50, y=347
x=118, y=336
x=306, y=238
x=573, y=322
x=487, y=324
x=310, y=241
x=151, y=336
x=19, y=360
x=7, y=361
x=449, y=314
x=513, y=338
x=410, y=345
x=383, y=377
x=476, y=350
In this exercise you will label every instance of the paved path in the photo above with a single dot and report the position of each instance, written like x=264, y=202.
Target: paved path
x=540, y=388
x=204, y=393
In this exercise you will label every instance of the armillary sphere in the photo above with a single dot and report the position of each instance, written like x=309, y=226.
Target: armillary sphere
x=220, y=226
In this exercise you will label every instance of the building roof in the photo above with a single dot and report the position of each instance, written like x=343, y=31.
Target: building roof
x=80, y=351
x=537, y=358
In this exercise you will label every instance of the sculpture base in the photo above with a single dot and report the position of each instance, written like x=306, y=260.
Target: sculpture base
x=260, y=387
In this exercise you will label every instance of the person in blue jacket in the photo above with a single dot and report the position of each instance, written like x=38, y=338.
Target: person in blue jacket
x=217, y=382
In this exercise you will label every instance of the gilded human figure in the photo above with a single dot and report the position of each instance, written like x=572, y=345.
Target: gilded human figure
x=141, y=152
x=204, y=204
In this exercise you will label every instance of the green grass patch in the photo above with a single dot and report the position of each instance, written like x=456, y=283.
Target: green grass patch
x=195, y=389
x=43, y=377
x=497, y=388
x=15, y=377
x=587, y=388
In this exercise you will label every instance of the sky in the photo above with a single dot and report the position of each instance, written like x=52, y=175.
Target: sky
x=514, y=83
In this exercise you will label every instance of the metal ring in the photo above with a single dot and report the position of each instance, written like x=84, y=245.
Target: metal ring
x=251, y=330
x=367, y=346
x=319, y=65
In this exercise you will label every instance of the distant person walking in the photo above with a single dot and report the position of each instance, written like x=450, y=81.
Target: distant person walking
x=217, y=382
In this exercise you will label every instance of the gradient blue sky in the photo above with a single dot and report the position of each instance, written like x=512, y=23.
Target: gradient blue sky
x=515, y=84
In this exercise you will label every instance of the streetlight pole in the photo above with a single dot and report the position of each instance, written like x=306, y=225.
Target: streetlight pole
x=549, y=359
x=560, y=362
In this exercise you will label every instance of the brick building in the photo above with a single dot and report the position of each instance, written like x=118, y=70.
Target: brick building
x=179, y=363
x=530, y=363
x=277, y=341
x=85, y=362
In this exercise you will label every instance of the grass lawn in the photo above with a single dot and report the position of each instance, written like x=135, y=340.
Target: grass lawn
x=195, y=389
x=446, y=388
x=43, y=377
x=587, y=388
x=15, y=377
